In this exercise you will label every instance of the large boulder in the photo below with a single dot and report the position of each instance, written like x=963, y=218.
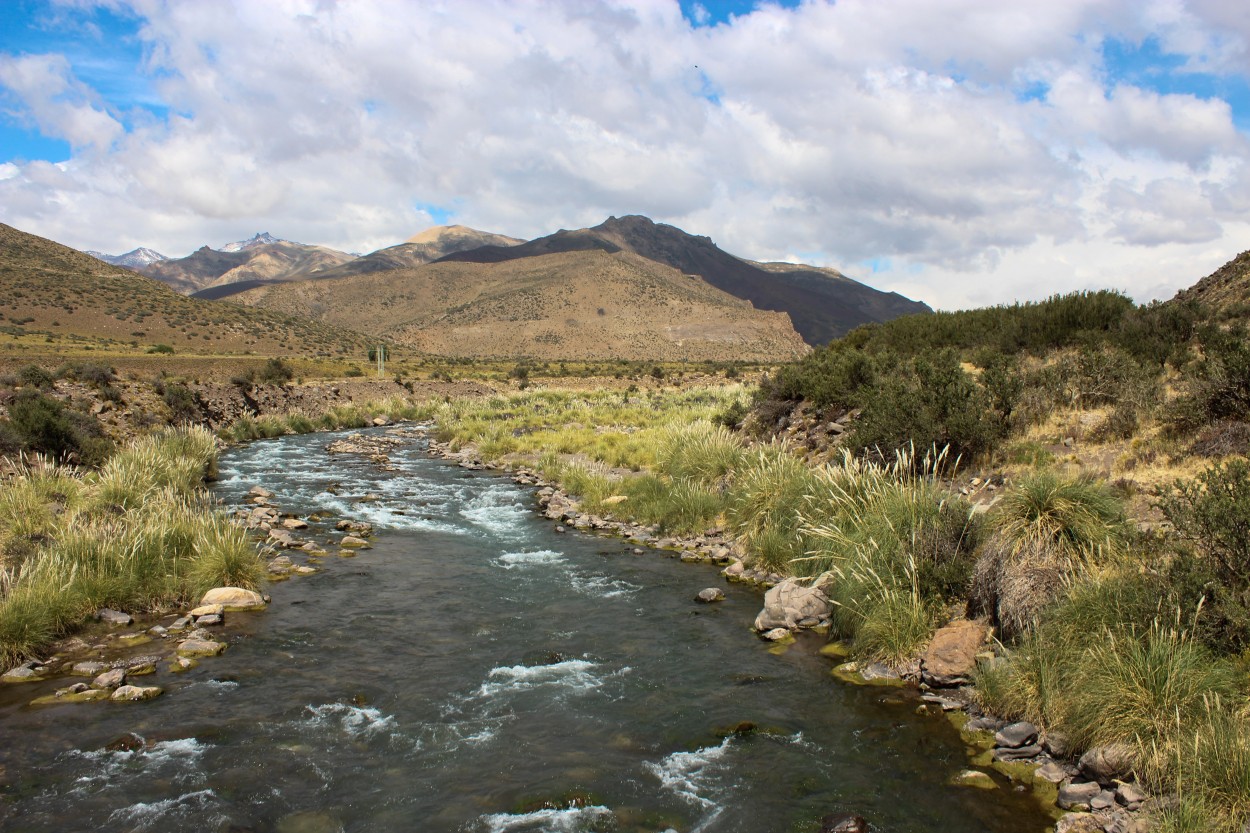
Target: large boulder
x=234, y=598
x=788, y=603
x=952, y=653
x=1109, y=763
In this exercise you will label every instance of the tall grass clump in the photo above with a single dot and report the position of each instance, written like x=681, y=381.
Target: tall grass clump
x=762, y=509
x=896, y=545
x=178, y=459
x=699, y=451
x=139, y=535
x=681, y=506
x=1046, y=529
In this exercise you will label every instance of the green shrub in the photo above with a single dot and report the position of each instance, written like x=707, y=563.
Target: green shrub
x=927, y=403
x=34, y=376
x=183, y=403
x=1212, y=514
x=161, y=349
x=1219, y=385
x=1046, y=530
x=275, y=372
x=44, y=425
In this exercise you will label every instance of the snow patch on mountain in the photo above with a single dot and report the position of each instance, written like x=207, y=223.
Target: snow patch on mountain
x=259, y=239
x=134, y=259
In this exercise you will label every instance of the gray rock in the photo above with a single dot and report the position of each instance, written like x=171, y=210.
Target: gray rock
x=776, y=634
x=134, y=693
x=1105, y=800
x=208, y=620
x=1057, y=744
x=110, y=679
x=20, y=674
x=113, y=617
x=878, y=671
x=88, y=668
x=789, y=602
x=710, y=594
x=1020, y=753
x=984, y=723
x=1016, y=735
x=1077, y=796
x=1052, y=771
x=1108, y=763
x=1079, y=823
x=843, y=823
x=946, y=704
x=1130, y=795
x=181, y=623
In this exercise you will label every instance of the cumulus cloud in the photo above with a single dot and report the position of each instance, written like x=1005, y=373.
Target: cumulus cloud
x=970, y=152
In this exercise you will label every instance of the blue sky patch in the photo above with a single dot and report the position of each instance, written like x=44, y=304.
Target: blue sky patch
x=1146, y=65
x=714, y=12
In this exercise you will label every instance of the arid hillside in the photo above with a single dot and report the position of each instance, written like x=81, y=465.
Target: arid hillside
x=1226, y=291
x=823, y=304
x=50, y=288
x=568, y=305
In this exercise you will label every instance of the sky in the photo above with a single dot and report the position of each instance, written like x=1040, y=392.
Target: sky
x=961, y=152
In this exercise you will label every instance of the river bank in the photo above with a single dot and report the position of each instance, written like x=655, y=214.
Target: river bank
x=469, y=629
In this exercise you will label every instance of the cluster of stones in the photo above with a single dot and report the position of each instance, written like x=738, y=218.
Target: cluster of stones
x=376, y=449
x=813, y=433
x=1098, y=788
x=116, y=679
x=279, y=528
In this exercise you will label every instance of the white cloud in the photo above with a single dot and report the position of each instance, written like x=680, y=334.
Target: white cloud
x=850, y=132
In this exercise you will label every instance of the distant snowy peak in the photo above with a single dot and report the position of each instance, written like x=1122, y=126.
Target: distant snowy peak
x=135, y=259
x=258, y=240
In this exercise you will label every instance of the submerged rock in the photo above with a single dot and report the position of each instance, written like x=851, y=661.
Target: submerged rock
x=113, y=617
x=710, y=594
x=843, y=823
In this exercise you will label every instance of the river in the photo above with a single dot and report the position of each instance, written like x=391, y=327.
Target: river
x=477, y=671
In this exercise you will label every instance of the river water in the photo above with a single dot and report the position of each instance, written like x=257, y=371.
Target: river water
x=476, y=671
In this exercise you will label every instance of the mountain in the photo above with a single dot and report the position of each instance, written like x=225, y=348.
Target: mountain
x=1226, y=291
x=565, y=305
x=53, y=290
x=261, y=258
x=822, y=303
x=428, y=246
x=259, y=239
x=133, y=259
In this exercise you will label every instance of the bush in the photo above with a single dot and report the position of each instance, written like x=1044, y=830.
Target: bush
x=44, y=425
x=275, y=372
x=161, y=349
x=183, y=403
x=928, y=403
x=1046, y=529
x=1212, y=514
x=1219, y=386
x=34, y=376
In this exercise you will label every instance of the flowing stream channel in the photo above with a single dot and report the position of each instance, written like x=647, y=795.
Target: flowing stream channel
x=477, y=671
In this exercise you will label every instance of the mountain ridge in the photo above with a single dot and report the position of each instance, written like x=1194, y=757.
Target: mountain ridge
x=821, y=306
